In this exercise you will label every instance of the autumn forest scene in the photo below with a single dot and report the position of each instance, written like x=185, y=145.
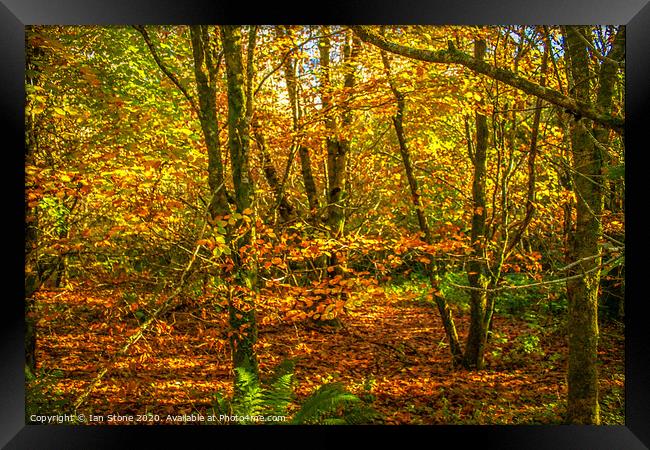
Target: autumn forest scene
x=323, y=225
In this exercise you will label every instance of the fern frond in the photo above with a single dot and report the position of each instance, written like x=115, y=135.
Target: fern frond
x=287, y=366
x=249, y=395
x=279, y=395
x=221, y=405
x=360, y=414
x=324, y=403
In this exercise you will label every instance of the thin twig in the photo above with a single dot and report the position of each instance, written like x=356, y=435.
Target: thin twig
x=165, y=70
x=541, y=283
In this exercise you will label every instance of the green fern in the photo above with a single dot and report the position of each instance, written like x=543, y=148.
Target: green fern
x=249, y=395
x=331, y=404
x=279, y=395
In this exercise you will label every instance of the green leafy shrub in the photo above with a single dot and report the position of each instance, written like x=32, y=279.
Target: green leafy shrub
x=528, y=344
x=516, y=301
x=525, y=346
x=454, y=295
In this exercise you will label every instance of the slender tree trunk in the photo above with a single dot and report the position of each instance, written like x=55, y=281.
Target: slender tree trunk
x=242, y=300
x=441, y=303
x=519, y=229
x=268, y=168
x=337, y=148
x=308, y=179
x=285, y=209
x=477, y=270
x=604, y=96
x=303, y=152
x=582, y=292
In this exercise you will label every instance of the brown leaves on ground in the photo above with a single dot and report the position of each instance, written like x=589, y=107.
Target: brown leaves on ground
x=393, y=349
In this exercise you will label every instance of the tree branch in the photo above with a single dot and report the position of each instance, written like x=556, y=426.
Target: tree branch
x=164, y=69
x=454, y=56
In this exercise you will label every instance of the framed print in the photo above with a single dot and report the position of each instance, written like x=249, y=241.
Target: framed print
x=369, y=217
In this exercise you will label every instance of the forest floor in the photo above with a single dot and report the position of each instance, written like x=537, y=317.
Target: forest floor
x=391, y=347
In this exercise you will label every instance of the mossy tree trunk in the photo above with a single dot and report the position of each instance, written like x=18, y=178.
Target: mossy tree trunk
x=582, y=292
x=589, y=154
x=242, y=300
x=206, y=73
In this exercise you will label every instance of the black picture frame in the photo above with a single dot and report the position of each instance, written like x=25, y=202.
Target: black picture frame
x=15, y=14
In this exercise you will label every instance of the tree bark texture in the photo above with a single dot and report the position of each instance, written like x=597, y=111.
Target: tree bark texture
x=582, y=292
x=242, y=300
x=206, y=72
x=477, y=270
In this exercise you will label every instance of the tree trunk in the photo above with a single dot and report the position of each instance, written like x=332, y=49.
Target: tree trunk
x=241, y=304
x=303, y=152
x=268, y=168
x=206, y=72
x=582, y=292
x=337, y=148
x=477, y=270
x=613, y=289
x=308, y=179
x=285, y=208
x=441, y=303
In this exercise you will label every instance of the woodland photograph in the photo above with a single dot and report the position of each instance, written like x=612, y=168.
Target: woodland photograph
x=324, y=225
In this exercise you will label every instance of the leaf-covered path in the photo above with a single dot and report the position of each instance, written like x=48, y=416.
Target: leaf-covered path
x=391, y=348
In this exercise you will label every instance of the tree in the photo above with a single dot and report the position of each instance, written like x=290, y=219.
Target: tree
x=337, y=146
x=241, y=303
x=284, y=207
x=289, y=69
x=587, y=140
x=398, y=124
x=206, y=72
x=477, y=271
